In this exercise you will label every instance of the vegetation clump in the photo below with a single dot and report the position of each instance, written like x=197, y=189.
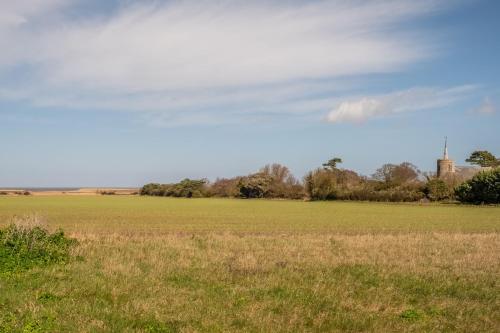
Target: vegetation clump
x=437, y=190
x=25, y=244
x=402, y=182
x=108, y=193
x=391, y=182
x=272, y=181
x=483, y=188
x=187, y=188
x=483, y=158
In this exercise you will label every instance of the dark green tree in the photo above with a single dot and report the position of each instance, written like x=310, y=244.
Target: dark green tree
x=332, y=164
x=483, y=188
x=483, y=158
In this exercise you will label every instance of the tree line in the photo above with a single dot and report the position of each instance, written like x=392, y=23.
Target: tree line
x=390, y=183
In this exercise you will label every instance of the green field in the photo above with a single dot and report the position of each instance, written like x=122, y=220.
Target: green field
x=147, y=264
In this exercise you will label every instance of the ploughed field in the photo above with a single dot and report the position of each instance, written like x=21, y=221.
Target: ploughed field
x=146, y=264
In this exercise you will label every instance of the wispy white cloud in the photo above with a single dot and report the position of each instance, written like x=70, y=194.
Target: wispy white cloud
x=175, y=57
x=361, y=109
x=486, y=107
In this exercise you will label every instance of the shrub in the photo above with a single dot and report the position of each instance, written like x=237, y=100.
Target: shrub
x=225, y=187
x=483, y=188
x=150, y=189
x=26, y=244
x=340, y=184
x=272, y=181
x=437, y=189
x=321, y=185
x=108, y=193
x=254, y=186
x=187, y=188
x=331, y=184
x=371, y=192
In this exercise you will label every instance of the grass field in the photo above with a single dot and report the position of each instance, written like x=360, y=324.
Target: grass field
x=212, y=265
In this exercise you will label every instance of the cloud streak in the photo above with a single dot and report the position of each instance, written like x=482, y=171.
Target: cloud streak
x=181, y=56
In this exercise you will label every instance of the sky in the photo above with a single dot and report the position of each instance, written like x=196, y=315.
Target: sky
x=123, y=93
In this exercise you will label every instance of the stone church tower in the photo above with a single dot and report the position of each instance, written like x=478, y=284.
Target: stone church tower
x=445, y=166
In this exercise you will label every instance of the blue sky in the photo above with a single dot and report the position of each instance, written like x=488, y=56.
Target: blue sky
x=131, y=92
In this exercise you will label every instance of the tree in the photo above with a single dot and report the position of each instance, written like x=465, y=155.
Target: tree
x=327, y=184
x=332, y=164
x=254, y=186
x=321, y=184
x=189, y=188
x=282, y=183
x=396, y=175
x=225, y=187
x=483, y=158
x=483, y=188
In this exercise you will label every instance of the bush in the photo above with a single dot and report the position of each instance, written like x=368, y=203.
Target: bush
x=273, y=181
x=331, y=184
x=187, y=188
x=108, y=193
x=24, y=245
x=321, y=185
x=371, y=192
x=254, y=186
x=225, y=187
x=483, y=188
x=437, y=189
x=340, y=184
x=150, y=189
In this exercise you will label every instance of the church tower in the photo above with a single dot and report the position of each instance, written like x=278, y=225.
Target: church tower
x=445, y=166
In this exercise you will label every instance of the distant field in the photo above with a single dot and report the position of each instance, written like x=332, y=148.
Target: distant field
x=51, y=191
x=148, y=264
x=123, y=214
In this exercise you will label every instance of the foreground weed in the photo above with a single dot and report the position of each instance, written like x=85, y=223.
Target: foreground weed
x=25, y=246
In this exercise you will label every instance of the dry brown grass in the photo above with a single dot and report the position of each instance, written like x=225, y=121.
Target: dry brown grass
x=29, y=221
x=415, y=253
x=364, y=281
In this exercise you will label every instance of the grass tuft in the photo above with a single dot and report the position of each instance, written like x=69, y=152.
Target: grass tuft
x=411, y=314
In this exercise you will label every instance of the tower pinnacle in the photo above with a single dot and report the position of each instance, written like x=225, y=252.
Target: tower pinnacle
x=445, y=148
